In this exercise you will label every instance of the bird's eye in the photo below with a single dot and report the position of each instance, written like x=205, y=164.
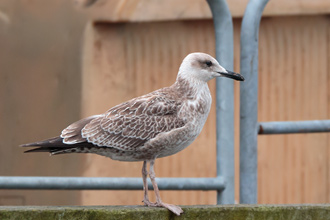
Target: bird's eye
x=208, y=63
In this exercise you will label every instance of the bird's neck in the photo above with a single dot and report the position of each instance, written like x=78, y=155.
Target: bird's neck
x=191, y=88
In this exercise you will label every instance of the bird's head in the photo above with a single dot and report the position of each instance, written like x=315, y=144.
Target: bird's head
x=203, y=67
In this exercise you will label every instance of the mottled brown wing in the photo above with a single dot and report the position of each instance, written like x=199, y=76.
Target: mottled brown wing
x=72, y=134
x=131, y=124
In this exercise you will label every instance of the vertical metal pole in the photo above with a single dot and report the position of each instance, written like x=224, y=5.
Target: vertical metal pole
x=223, y=26
x=249, y=101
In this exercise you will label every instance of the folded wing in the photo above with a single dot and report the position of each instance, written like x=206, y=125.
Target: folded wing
x=127, y=126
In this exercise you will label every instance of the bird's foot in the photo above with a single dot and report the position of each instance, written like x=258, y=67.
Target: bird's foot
x=173, y=208
x=148, y=203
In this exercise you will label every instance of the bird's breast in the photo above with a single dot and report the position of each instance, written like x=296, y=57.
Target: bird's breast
x=197, y=107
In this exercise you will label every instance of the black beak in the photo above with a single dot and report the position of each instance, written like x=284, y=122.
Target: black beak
x=232, y=75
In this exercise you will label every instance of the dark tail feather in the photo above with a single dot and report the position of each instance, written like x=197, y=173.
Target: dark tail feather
x=40, y=149
x=49, y=145
x=53, y=145
x=52, y=142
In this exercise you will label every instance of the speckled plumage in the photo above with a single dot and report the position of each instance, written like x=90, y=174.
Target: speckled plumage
x=134, y=128
x=154, y=125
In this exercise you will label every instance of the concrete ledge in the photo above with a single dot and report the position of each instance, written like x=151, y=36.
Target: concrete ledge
x=225, y=212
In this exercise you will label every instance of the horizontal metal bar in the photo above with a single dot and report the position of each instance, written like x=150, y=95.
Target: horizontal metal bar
x=289, y=127
x=106, y=183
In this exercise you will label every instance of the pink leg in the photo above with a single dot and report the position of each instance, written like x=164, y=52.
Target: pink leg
x=146, y=200
x=173, y=208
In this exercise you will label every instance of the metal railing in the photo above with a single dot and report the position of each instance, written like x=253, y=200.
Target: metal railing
x=102, y=183
x=249, y=100
x=293, y=127
x=249, y=126
x=224, y=40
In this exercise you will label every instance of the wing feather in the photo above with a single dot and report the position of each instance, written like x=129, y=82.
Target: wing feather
x=72, y=134
x=131, y=124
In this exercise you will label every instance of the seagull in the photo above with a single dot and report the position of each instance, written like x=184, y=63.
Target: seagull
x=155, y=125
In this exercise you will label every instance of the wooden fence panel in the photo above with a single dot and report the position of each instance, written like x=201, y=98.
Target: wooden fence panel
x=124, y=60
x=294, y=86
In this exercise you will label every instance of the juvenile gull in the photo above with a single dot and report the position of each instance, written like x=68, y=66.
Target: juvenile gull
x=148, y=127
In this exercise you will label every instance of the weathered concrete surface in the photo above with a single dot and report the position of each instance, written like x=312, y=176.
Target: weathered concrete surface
x=226, y=212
